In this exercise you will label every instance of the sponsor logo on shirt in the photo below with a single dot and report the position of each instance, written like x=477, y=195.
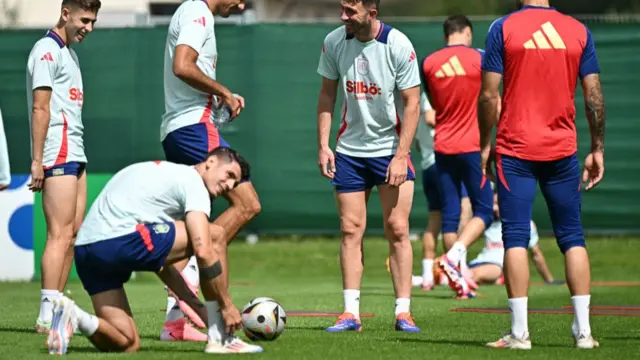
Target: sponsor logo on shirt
x=76, y=94
x=547, y=38
x=363, y=90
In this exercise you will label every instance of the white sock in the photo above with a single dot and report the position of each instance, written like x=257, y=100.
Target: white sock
x=427, y=271
x=402, y=305
x=519, y=310
x=581, y=315
x=352, y=302
x=215, y=322
x=46, y=304
x=190, y=272
x=463, y=263
x=456, y=253
x=173, y=310
x=87, y=323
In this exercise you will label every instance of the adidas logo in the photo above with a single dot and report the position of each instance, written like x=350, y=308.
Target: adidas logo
x=47, y=57
x=547, y=38
x=451, y=68
x=202, y=21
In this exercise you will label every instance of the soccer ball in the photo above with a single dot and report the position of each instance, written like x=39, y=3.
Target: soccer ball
x=263, y=319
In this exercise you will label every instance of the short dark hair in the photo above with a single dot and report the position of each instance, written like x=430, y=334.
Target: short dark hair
x=229, y=155
x=455, y=24
x=87, y=5
x=367, y=3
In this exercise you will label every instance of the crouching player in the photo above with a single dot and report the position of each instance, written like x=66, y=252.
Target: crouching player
x=149, y=216
x=486, y=268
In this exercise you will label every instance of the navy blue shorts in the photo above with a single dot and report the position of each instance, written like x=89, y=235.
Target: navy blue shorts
x=71, y=168
x=560, y=186
x=108, y=264
x=359, y=174
x=453, y=171
x=190, y=145
x=432, y=189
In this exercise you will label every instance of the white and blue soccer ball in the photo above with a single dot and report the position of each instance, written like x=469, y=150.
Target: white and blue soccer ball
x=263, y=318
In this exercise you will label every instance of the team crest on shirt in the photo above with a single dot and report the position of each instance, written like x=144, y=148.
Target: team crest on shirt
x=362, y=66
x=160, y=228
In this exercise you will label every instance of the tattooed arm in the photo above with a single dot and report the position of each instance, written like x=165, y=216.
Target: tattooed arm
x=594, y=104
x=213, y=288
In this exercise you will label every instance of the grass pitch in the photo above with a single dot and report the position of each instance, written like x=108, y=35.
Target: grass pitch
x=304, y=275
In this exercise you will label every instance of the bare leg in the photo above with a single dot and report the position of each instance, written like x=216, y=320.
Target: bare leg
x=396, y=206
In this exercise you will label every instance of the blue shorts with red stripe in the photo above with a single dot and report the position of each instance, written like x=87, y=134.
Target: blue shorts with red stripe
x=73, y=168
x=108, y=264
x=359, y=174
x=190, y=144
x=453, y=171
x=560, y=185
x=431, y=188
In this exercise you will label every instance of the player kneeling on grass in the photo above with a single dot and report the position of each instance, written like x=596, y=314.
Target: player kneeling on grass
x=486, y=268
x=149, y=216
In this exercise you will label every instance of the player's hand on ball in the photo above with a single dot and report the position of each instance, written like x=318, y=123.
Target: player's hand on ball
x=397, y=170
x=2, y=187
x=593, y=169
x=232, y=319
x=327, y=163
x=37, y=176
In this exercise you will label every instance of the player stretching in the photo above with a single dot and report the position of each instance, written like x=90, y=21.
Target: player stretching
x=424, y=138
x=377, y=70
x=188, y=134
x=452, y=78
x=541, y=53
x=55, y=99
x=5, y=169
x=149, y=216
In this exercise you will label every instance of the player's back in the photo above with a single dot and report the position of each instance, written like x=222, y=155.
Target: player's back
x=142, y=193
x=544, y=52
x=452, y=79
x=54, y=65
x=193, y=25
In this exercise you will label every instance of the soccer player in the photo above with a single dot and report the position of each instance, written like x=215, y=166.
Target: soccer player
x=376, y=68
x=424, y=139
x=55, y=100
x=5, y=170
x=541, y=53
x=486, y=268
x=452, y=79
x=149, y=216
x=192, y=99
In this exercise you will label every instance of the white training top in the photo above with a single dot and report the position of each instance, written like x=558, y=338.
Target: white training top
x=53, y=65
x=192, y=25
x=5, y=172
x=424, y=135
x=144, y=193
x=372, y=75
x=493, y=252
